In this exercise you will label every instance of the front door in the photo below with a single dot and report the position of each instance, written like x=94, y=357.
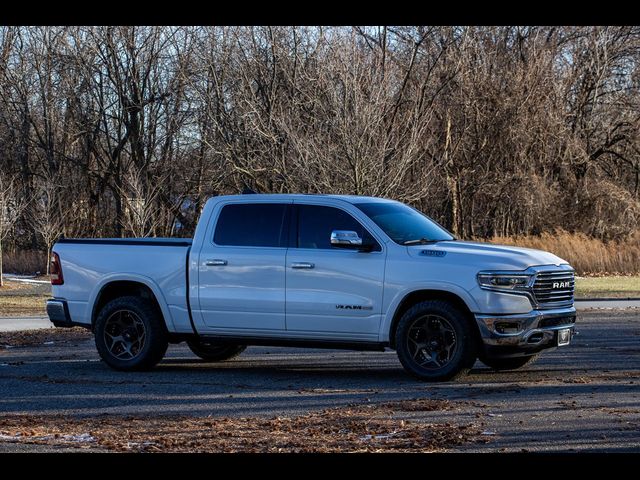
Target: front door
x=332, y=292
x=241, y=284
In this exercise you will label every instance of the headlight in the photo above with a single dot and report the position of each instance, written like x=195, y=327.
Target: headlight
x=504, y=281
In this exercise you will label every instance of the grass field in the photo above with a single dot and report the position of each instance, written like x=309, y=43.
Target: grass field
x=22, y=306
x=608, y=287
x=20, y=299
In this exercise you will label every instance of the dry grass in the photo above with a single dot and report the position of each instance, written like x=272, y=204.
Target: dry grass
x=589, y=256
x=22, y=305
x=23, y=299
x=358, y=428
x=608, y=287
x=25, y=262
x=13, y=287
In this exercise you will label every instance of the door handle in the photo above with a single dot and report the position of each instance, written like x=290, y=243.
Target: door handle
x=215, y=263
x=298, y=265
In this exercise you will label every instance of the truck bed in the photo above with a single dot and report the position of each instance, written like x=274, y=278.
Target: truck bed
x=90, y=263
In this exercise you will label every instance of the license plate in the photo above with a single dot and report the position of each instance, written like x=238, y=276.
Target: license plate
x=564, y=337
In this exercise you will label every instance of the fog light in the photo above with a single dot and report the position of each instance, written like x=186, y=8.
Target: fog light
x=507, y=327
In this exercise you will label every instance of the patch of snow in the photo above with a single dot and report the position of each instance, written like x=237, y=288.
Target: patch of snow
x=488, y=432
x=378, y=437
x=49, y=343
x=82, y=438
x=138, y=444
x=24, y=278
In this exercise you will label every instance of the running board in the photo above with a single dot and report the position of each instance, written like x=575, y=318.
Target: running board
x=290, y=342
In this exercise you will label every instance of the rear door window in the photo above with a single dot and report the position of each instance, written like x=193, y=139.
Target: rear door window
x=251, y=225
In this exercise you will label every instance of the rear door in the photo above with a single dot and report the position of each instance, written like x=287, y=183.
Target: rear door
x=332, y=292
x=242, y=268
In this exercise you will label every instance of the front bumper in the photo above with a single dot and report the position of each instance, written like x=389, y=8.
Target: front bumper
x=523, y=334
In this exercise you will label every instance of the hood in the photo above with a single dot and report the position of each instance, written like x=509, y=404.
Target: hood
x=486, y=256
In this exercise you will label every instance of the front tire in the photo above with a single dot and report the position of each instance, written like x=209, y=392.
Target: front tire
x=130, y=334
x=213, y=351
x=508, y=363
x=434, y=341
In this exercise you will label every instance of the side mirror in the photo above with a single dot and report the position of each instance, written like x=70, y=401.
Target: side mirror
x=345, y=239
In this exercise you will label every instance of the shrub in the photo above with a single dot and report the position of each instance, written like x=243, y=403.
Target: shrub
x=589, y=256
x=24, y=262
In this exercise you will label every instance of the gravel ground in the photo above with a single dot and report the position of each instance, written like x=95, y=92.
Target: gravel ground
x=584, y=397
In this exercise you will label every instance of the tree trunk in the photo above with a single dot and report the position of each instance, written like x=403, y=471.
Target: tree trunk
x=452, y=181
x=48, y=259
x=119, y=208
x=1, y=279
x=455, y=205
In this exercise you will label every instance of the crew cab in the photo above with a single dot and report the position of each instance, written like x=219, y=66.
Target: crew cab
x=332, y=271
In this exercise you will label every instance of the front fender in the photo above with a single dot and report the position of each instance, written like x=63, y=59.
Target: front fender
x=401, y=294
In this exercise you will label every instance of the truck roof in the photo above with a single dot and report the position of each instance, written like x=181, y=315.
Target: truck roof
x=290, y=196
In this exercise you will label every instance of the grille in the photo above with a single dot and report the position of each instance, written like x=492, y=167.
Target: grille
x=554, y=289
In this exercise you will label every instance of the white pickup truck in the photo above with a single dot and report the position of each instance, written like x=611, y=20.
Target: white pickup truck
x=328, y=271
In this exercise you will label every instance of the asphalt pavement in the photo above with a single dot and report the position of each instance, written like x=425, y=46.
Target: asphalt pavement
x=583, y=397
x=15, y=324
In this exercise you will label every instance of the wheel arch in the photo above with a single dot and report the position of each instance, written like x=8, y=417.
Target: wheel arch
x=116, y=287
x=420, y=295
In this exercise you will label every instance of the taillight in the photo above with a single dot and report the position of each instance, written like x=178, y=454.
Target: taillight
x=55, y=270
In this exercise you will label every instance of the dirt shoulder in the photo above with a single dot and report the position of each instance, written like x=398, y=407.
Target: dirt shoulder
x=29, y=338
x=357, y=428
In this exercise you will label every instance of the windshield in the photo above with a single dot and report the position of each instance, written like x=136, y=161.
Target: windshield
x=404, y=224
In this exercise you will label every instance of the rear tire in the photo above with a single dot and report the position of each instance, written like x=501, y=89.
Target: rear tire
x=130, y=334
x=435, y=342
x=508, y=363
x=211, y=351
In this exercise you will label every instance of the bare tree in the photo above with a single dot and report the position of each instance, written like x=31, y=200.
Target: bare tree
x=490, y=130
x=12, y=206
x=141, y=210
x=48, y=217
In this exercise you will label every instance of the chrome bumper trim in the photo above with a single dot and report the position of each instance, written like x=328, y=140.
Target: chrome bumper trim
x=524, y=330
